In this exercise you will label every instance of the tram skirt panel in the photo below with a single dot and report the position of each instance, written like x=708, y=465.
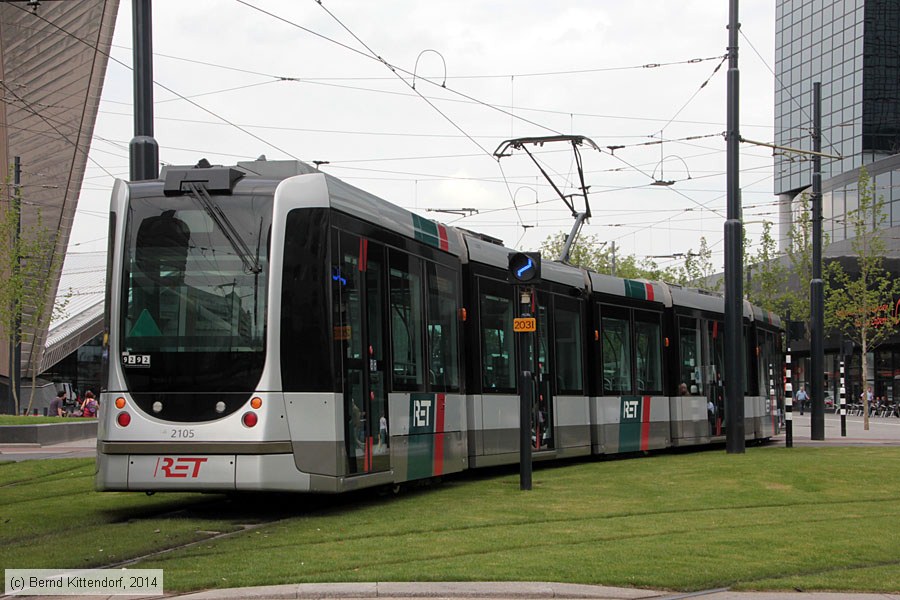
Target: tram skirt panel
x=690, y=420
x=634, y=423
x=427, y=455
x=572, y=414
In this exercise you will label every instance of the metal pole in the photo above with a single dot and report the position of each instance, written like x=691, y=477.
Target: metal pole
x=17, y=355
x=773, y=405
x=526, y=398
x=816, y=285
x=843, y=393
x=788, y=402
x=143, y=150
x=734, y=330
x=15, y=340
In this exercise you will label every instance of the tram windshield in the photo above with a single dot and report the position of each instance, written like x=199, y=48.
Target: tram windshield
x=193, y=302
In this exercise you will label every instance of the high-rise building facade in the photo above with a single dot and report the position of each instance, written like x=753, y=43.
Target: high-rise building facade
x=852, y=47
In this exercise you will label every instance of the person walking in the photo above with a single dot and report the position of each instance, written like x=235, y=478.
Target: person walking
x=802, y=398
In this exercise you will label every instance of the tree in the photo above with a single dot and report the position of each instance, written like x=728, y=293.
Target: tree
x=799, y=252
x=591, y=253
x=860, y=305
x=26, y=300
x=767, y=275
x=697, y=269
x=588, y=251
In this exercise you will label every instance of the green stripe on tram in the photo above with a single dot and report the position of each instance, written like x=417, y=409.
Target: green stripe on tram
x=635, y=289
x=426, y=231
x=420, y=457
x=630, y=411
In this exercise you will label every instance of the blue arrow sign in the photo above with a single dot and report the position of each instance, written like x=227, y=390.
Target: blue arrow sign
x=529, y=265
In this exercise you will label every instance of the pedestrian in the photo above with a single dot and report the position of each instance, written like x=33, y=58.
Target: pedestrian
x=382, y=430
x=56, y=405
x=802, y=398
x=89, y=406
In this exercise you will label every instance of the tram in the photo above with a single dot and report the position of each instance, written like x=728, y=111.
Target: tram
x=273, y=328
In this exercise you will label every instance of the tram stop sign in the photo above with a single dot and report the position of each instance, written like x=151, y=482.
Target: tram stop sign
x=525, y=267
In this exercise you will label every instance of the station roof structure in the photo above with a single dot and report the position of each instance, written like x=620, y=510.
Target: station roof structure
x=53, y=59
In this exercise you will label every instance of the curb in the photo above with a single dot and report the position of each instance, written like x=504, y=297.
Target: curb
x=510, y=590
x=46, y=434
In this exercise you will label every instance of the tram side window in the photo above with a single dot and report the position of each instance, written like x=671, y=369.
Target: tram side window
x=689, y=356
x=615, y=332
x=568, y=348
x=648, y=352
x=406, y=321
x=497, y=343
x=716, y=341
x=749, y=352
x=443, y=330
x=306, y=366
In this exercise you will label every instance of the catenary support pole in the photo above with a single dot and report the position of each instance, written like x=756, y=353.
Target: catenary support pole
x=788, y=402
x=816, y=285
x=143, y=151
x=734, y=294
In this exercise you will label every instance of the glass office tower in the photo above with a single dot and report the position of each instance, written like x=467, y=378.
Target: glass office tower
x=853, y=48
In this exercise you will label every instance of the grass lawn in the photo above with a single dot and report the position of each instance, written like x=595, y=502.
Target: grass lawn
x=773, y=518
x=14, y=420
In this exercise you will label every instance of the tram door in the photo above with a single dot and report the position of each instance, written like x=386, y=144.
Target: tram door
x=542, y=402
x=713, y=367
x=359, y=300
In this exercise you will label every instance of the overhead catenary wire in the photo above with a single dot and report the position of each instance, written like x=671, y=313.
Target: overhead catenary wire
x=191, y=102
x=509, y=174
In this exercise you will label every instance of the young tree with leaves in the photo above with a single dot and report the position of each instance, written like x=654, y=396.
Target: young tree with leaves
x=26, y=300
x=860, y=305
x=767, y=276
x=795, y=295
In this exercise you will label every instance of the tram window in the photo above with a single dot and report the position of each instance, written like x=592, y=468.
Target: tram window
x=543, y=339
x=648, y=352
x=749, y=352
x=716, y=340
x=406, y=320
x=497, y=343
x=443, y=328
x=689, y=356
x=349, y=295
x=616, y=353
x=187, y=288
x=304, y=293
x=568, y=348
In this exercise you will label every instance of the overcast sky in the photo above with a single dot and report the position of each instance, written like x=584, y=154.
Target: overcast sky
x=300, y=79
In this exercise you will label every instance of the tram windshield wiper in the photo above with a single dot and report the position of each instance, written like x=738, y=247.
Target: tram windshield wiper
x=198, y=192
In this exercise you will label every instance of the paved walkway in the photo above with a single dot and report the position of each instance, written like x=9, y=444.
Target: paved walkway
x=85, y=448
x=502, y=591
x=485, y=591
